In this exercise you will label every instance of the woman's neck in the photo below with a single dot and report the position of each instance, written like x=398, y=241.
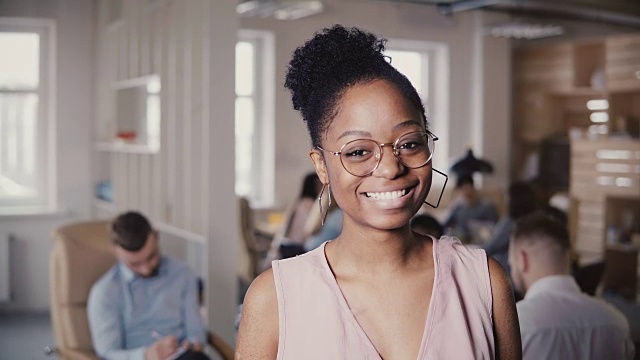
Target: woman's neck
x=378, y=251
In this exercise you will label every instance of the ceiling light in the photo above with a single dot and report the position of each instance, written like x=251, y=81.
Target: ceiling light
x=519, y=30
x=279, y=9
x=598, y=104
x=599, y=117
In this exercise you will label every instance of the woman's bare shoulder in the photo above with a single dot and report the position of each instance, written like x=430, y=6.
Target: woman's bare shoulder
x=500, y=283
x=263, y=290
x=258, y=333
x=505, y=318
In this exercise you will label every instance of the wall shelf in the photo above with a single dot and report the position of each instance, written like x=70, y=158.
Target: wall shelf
x=141, y=81
x=104, y=205
x=582, y=91
x=127, y=148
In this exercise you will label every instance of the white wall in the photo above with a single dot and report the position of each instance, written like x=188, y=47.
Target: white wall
x=491, y=98
x=397, y=21
x=74, y=52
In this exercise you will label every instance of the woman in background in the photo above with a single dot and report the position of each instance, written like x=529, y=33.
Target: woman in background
x=296, y=226
x=379, y=290
x=299, y=224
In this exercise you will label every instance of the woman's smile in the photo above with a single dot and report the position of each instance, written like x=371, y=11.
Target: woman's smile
x=390, y=199
x=387, y=195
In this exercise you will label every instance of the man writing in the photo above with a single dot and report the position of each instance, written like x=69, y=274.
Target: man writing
x=557, y=321
x=145, y=306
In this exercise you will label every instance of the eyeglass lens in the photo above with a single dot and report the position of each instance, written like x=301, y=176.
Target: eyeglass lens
x=361, y=157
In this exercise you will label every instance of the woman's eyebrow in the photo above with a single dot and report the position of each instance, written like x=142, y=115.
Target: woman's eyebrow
x=406, y=124
x=354, y=132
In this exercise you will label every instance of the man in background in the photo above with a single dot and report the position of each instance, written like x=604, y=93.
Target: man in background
x=145, y=306
x=470, y=207
x=557, y=321
x=521, y=202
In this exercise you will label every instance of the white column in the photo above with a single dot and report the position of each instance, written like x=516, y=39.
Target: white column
x=218, y=161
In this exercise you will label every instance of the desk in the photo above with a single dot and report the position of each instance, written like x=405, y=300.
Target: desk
x=268, y=222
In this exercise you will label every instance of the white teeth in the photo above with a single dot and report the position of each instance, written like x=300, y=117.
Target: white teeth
x=389, y=195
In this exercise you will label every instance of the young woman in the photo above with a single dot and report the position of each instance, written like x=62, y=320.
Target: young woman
x=379, y=290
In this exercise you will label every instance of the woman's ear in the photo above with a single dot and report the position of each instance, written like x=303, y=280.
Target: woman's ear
x=317, y=159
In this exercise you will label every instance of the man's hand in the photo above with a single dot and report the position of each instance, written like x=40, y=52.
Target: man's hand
x=162, y=349
x=194, y=346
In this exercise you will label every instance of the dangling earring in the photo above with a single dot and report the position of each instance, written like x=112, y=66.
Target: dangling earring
x=323, y=217
x=446, y=178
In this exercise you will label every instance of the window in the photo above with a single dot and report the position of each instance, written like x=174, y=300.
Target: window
x=415, y=66
x=426, y=65
x=26, y=115
x=254, y=126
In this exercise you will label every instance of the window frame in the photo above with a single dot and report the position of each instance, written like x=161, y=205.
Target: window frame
x=262, y=194
x=46, y=201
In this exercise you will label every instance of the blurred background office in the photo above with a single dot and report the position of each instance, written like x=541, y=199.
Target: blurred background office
x=176, y=109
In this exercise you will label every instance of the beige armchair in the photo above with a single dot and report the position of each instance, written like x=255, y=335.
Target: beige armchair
x=256, y=245
x=81, y=254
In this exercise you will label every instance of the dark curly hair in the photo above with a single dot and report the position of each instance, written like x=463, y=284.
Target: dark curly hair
x=334, y=60
x=130, y=231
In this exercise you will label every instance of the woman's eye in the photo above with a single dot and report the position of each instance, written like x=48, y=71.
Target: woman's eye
x=409, y=145
x=356, y=153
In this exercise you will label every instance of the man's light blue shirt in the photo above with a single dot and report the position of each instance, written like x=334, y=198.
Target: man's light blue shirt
x=127, y=312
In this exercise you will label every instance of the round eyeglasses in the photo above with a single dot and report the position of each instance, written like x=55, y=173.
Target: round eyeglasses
x=362, y=157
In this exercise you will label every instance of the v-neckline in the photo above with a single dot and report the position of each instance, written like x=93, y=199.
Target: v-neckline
x=347, y=310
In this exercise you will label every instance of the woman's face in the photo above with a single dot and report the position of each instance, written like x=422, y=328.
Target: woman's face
x=393, y=193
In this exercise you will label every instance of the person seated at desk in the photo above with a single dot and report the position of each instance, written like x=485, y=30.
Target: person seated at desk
x=521, y=202
x=295, y=233
x=470, y=207
x=557, y=321
x=146, y=305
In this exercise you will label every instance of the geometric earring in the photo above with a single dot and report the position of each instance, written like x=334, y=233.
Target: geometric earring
x=442, y=191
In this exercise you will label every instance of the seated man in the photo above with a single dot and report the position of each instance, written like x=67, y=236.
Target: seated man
x=557, y=321
x=470, y=207
x=145, y=306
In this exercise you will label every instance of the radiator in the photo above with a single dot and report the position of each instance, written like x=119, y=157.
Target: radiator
x=5, y=267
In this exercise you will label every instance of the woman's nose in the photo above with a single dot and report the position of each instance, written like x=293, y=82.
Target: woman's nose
x=390, y=166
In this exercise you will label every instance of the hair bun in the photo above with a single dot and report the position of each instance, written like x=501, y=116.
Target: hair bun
x=338, y=53
x=333, y=61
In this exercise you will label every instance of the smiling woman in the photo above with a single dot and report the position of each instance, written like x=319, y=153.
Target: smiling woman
x=378, y=290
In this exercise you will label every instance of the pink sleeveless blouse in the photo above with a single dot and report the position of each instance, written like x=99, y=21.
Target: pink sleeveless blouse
x=315, y=321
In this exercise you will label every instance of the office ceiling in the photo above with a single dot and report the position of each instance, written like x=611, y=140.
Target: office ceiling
x=616, y=12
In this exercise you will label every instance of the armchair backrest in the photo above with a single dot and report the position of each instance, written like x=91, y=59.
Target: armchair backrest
x=247, y=226
x=81, y=253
